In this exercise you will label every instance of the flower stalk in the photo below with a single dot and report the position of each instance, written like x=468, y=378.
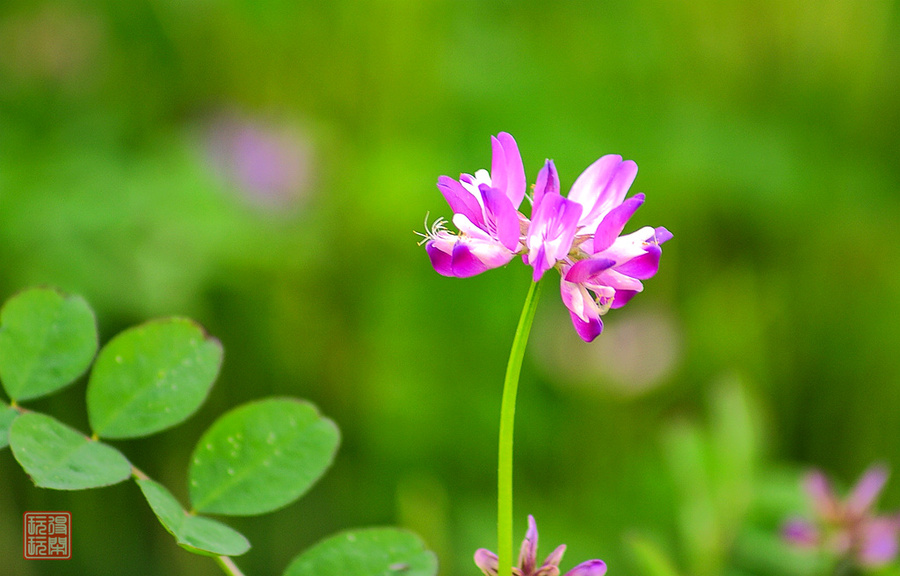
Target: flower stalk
x=507, y=424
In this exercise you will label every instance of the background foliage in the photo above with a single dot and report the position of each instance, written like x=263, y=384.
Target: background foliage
x=260, y=167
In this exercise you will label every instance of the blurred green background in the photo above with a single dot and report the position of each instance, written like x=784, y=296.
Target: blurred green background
x=261, y=167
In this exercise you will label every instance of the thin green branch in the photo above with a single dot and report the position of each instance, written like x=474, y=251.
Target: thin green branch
x=228, y=566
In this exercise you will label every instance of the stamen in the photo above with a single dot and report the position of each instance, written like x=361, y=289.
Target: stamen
x=437, y=227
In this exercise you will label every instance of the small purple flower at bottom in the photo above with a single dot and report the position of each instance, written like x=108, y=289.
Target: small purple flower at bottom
x=848, y=528
x=528, y=566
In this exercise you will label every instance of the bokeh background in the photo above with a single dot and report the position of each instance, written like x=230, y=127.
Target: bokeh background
x=261, y=167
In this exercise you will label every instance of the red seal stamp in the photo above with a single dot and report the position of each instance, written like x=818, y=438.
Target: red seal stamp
x=47, y=535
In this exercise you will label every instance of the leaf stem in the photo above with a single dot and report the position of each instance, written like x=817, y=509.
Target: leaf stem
x=507, y=423
x=228, y=566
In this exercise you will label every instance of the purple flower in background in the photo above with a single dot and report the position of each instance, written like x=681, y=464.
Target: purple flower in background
x=848, y=528
x=485, y=211
x=528, y=566
x=270, y=166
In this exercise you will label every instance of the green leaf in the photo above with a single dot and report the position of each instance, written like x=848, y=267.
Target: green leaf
x=687, y=451
x=366, y=552
x=7, y=415
x=206, y=536
x=59, y=457
x=193, y=533
x=764, y=551
x=47, y=340
x=151, y=377
x=260, y=457
x=650, y=557
x=735, y=442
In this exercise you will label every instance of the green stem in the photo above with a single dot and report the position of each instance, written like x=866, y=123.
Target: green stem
x=228, y=566
x=507, y=423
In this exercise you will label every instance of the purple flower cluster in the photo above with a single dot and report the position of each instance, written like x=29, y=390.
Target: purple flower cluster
x=848, y=528
x=528, y=566
x=578, y=234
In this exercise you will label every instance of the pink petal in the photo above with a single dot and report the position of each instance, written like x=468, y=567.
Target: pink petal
x=498, y=165
x=589, y=568
x=589, y=183
x=662, y=235
x=602, y=187
x=583, y=310
x=615, y=280
x=439, y=259
x=463, y=263
x=555, y=557
x=460, y=200
x=472, y=231
x=502, y=222
x=547, y=182
x=551, y=232
x=614, y=221
x=584, y=270
x=508, y=166
x=879, y=541
x=577, y=299
x=491, y=253
x=823, y=499
x=622, y=297
x=800, y=533
x=587, y=330
x=528, y=553
x=644, y=266
x=460, y=257
x=487, y=561
x=866, y=490
x=630, y=246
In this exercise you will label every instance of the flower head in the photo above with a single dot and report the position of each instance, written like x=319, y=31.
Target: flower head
x=528, y=566
x=849, y=527
x=579, y=234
